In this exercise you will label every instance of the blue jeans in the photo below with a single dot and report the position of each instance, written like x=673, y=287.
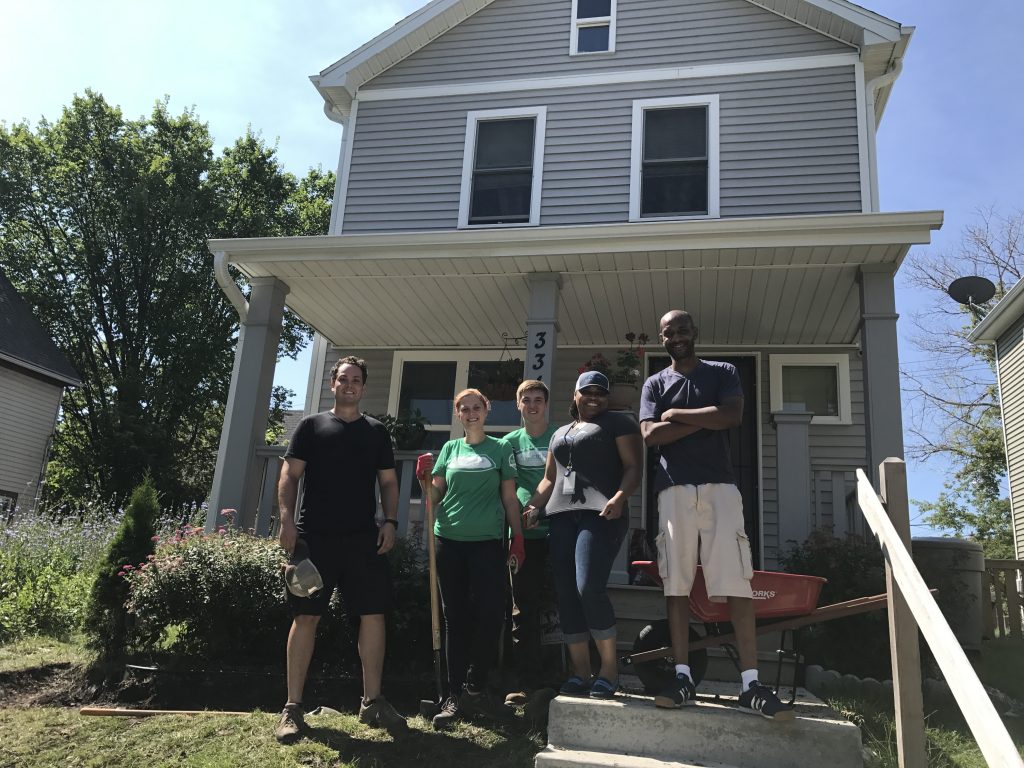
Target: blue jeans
x=583, y=546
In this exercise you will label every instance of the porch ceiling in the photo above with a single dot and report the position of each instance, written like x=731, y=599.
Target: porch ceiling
x=787, y=280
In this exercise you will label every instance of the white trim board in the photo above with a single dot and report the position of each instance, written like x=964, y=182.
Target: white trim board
x=341, y=192
x=726, y=69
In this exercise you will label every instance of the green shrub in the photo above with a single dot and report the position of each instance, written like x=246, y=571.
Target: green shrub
x=106, y=620
x=46, y=570
x=221, y=596
x=856, y=645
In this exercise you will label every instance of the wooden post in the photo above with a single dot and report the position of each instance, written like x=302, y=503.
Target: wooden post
x=987, y=613
x=903, y=633
x=1013, y=622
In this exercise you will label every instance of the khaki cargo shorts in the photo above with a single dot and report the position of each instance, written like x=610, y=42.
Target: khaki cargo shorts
x=710, y=517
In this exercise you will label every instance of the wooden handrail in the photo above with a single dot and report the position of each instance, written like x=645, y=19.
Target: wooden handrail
x=993, y=740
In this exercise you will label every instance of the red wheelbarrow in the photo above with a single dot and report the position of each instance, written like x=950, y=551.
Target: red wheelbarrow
x=783, y=602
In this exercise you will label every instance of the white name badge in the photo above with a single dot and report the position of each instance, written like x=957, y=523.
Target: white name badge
x=569, y=483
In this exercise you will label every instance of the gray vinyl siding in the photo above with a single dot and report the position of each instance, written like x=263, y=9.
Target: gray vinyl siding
x=836, y=450
x=788, y=146
x=27, y=411
x=530, y=38
x=1011, y=393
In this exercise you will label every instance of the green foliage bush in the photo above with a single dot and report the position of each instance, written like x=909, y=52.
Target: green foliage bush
x=221, y=596
x=857, y=645
x=106, y=619
x=46, y=571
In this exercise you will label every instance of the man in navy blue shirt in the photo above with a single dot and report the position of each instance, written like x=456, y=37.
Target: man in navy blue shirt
x=686, y=410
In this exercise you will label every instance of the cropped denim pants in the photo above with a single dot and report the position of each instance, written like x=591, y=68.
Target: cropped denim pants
x=583, y=546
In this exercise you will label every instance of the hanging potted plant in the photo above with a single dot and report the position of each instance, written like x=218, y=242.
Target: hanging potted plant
x=624, y=375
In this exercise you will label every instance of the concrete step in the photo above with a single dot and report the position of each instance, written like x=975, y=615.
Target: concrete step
x=715, y=731
x=552, y=757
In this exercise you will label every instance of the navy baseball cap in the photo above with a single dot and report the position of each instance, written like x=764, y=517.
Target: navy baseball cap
x=592, y=379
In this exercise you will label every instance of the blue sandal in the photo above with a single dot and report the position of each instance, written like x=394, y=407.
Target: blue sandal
x=574, y=686
x=603, y=689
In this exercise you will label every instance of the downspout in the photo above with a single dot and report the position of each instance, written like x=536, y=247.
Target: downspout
x=870, y=90
x=230, y=288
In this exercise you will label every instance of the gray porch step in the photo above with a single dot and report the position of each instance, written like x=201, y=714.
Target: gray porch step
x=552, y=757
x=714, y=732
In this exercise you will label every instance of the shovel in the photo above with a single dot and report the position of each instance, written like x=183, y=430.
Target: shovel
x=428, y=707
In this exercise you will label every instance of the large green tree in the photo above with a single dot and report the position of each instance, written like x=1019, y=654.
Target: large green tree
x=954, y=411
x=103, y=227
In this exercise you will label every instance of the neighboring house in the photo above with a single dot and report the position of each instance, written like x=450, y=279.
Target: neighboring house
x=562, y=172
x=33, y=374
x=1003, y=326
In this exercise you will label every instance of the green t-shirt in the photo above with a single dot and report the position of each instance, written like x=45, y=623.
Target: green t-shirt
x=471, y=509
x=531, y=456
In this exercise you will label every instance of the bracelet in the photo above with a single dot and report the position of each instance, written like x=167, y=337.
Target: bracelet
x=392, y=521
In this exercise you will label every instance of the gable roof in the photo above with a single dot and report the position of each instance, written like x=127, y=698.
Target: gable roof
x=24, y=342
x=881, y=42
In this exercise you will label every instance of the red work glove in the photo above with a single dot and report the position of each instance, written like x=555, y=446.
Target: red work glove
x=424, y=466
x=516, y=553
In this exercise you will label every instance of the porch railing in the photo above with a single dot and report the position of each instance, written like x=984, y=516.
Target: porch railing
x=268, y=466
x=912, y=607
x=1001, y=611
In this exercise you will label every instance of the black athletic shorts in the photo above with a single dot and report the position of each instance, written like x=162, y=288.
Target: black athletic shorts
x=351, y=564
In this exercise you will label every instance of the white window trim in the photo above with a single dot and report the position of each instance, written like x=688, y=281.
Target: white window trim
x=594, y=21
x=540, y=114
x=840, y=362
x=461, y=358
x=637, y=145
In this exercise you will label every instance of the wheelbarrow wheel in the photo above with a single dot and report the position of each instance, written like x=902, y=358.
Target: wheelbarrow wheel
x=656, y=675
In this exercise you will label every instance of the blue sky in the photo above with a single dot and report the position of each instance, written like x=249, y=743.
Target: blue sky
x=949, y=139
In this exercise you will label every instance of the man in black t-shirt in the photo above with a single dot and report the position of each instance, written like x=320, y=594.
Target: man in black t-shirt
x=685, y=411
x=342, y=454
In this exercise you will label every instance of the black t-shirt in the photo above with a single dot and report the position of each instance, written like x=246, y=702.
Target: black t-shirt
x=702, y=457
x=342, y=459
x=589, y=447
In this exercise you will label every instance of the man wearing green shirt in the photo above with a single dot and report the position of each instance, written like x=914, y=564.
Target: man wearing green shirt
x=530, y=447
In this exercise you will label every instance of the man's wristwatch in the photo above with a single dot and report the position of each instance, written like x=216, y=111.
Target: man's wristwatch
x=392, y=521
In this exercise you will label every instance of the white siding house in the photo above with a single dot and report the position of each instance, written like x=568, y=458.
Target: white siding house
x=33, y=374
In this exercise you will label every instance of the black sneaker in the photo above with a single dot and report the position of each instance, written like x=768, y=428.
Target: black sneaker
x=681, y=693
x=450, y=712
x=291, y=725
x=479, y=704
x=761, y=700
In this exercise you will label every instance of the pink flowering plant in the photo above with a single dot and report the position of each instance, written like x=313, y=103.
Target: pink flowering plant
x=628, y=362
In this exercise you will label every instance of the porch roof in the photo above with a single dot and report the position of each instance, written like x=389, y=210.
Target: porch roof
x=749, y=281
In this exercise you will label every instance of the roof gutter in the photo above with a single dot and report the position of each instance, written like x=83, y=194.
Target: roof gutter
x=870, y=92
x=228, y=285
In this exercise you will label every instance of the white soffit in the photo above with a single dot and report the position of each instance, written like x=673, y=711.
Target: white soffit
x=1004, y=314
x=787, y=280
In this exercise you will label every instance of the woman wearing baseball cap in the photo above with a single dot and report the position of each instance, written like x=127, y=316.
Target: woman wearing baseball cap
x=594, y=465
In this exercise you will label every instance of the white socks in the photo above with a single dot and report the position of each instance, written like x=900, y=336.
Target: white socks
x=749, y=676
x=684, y=669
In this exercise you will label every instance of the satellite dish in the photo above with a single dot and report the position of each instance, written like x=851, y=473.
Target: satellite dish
x=971, y=291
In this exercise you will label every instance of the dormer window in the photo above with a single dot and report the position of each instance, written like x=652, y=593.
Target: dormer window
x=502, y=168
x=593, y=27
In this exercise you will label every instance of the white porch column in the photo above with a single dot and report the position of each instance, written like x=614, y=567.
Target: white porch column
x=883, y=413
x=542, y=327
x=248, y=406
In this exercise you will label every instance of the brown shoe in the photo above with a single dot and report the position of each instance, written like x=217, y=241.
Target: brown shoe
x=381, y=714
x=516, y=699
x=291, y=725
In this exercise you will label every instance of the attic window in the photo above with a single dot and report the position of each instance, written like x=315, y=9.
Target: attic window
x=593, y=27
x=502, y=168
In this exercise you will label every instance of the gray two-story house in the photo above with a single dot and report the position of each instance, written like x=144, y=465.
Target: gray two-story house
x=533, y=179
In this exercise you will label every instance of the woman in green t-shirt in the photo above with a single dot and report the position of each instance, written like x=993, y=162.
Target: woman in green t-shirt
x=474, y=490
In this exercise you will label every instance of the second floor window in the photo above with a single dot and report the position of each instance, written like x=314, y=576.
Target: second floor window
x=593, y=26
x=675, y=158
x=502, y=168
